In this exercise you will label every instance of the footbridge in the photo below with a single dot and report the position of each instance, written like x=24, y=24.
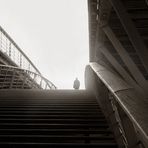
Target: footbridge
x=113, y=110
x=16, y=69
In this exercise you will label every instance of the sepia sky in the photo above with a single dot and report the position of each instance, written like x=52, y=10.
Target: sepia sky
x=53, y=34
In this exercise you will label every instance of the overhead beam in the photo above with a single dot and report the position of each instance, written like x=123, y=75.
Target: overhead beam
x=131, y=31
x=100, y=48
x=125, y=57
x=120, y=69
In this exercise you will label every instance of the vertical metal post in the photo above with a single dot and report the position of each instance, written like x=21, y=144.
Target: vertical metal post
x=20, y=60
x=41, y=83
x=10, y=49
x=46, y=86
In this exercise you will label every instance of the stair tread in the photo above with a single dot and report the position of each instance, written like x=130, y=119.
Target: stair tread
x=55, y=131
x=59, y=136
x=60, y=144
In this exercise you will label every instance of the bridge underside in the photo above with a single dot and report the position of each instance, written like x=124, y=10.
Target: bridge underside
x=16, y=69
x=118, y=31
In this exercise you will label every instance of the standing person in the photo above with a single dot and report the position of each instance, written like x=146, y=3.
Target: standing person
x=76, y=84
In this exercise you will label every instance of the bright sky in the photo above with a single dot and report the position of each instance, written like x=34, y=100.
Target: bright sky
x=53, y=34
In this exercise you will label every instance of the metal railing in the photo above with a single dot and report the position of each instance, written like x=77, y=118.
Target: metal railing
x=125, y=109
x=9, y=48
x=14, y=77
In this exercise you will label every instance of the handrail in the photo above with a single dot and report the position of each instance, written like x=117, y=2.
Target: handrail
x=133, y=105
x=41, y=81
x=14, y=52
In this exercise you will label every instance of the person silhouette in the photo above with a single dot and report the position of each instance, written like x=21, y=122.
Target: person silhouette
x=76, y=84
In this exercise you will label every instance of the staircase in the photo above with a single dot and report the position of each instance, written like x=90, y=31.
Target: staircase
x=52, y=119
x=9, y=79
x=15, y=78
